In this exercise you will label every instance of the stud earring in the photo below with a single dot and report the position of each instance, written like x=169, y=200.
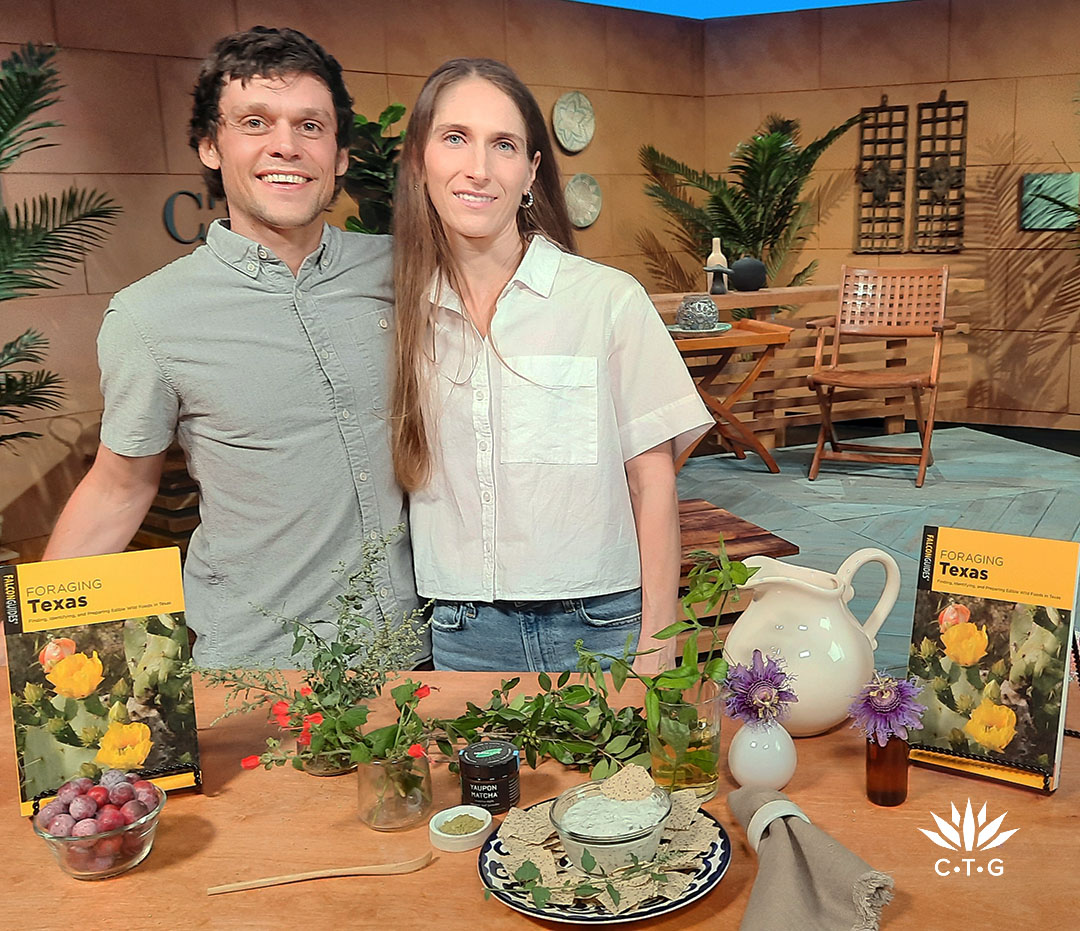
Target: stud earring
x=528, y=200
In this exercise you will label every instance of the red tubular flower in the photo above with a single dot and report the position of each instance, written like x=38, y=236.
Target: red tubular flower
x=416, y=751
x=310, y=719
x=282, y=720
x=250, y=762
x=305, y=690
x=304, y=738
x=278, y=708
x=423, y=692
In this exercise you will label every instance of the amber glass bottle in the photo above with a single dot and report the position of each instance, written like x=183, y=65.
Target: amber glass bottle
x=887, y=771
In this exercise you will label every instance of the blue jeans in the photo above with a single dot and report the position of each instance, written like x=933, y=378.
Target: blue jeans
x=532, y=636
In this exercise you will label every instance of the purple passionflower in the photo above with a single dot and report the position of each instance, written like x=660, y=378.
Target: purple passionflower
x=886, y=708
x=758, y=694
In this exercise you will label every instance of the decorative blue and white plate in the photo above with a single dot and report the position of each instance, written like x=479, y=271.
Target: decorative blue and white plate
x=493, y=874
x=690, y=334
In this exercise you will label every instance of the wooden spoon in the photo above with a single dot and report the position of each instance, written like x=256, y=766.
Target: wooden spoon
x=375, y=869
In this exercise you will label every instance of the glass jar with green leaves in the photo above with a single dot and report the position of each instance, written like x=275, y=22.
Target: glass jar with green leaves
x=683, y=705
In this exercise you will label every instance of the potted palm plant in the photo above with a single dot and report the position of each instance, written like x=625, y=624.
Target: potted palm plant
x=40, y=238
x=756, y=209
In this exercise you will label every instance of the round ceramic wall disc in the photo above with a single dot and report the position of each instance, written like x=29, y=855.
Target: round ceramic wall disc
x=573, y=121
x=583, y=200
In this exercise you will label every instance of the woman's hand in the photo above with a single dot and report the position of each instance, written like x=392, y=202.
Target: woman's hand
x=652, y=664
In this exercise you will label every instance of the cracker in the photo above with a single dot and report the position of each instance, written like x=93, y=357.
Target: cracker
x=674, y=886
x=630, y=784
x=531, y=827
x=517, y=853
x=684, y=806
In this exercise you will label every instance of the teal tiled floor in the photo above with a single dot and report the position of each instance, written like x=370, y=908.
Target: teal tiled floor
x=978, y=481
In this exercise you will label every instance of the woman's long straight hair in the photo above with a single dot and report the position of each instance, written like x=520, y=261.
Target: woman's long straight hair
x=421, y=250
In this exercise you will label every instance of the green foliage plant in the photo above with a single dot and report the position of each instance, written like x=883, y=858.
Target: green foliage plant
x=346, y=664
x=757, y=208
x=571, y=722
x=39, y=239
x=713, y=579
x=372, y=172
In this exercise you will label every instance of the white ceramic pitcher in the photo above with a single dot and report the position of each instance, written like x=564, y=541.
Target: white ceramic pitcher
x=803, y=614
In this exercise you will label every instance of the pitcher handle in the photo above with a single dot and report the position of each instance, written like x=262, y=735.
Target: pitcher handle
x=889, y=594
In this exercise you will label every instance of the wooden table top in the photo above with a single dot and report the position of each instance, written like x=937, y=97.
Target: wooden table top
x=701, y=523
x=248, y=825
x=744, y=334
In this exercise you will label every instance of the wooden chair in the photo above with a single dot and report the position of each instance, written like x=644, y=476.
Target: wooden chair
x=881, y=303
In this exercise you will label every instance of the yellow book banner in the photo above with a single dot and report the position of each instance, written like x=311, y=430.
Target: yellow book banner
x=1003, y=567
x=92, y=589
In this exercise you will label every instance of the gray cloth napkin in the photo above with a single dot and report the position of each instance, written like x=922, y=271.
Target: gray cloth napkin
x=805, y=879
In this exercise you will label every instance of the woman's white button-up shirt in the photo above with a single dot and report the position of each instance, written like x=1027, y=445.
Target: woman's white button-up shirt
x=531, y=428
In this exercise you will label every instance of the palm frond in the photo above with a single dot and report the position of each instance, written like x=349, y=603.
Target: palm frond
x=39, y=389
x=665, y=267
x=813, y=150
x=47, y=236
x=28, y=84
x=802, y=276
x=666, y=170
x=27, y=349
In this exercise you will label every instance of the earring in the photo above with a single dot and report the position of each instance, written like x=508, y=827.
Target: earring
x=528, y=200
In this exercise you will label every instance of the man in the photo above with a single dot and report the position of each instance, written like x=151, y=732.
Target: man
x=265, y=352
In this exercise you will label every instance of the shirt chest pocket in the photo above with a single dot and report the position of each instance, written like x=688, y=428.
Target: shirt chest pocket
x=549, y=409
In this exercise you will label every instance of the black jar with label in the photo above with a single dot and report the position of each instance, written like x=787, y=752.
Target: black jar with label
x=489, y=775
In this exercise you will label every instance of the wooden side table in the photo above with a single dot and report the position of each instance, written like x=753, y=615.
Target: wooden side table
x=745, y=336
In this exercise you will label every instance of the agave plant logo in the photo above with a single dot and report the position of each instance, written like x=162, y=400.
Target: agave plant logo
x=969, y=833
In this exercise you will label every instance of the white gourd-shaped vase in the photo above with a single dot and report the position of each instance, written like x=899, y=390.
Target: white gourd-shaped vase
x=762, y=756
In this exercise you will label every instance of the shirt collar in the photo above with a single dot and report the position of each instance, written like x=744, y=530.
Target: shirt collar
x=536, y=271
x=248, y=256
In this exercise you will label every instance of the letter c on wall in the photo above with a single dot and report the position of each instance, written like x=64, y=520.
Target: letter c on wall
x=170, y=219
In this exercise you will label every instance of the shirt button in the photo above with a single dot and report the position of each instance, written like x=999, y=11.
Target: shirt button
x=324, y=354
x=487, y=495
x=479, y=395
x=384, y=591
x=345, y=414
x=363, y=477
x=262, y=253
x=483, y=444
x=374, y=534
x=251, y=266
x=383, y=324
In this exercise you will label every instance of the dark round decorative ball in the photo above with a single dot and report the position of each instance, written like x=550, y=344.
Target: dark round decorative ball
x=747, y=275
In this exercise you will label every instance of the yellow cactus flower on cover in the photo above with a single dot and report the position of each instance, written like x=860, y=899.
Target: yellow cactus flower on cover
x=77, y=675
x=124, y=746
x=992, y=726
x=965, y=644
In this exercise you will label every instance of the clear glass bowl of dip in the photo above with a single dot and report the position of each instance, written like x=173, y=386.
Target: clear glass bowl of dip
x=618, y=841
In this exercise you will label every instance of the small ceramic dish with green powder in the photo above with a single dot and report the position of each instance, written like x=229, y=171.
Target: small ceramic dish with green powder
x=463, y=827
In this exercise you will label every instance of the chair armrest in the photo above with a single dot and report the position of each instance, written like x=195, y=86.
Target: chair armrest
x=820, y=322
x=945, y=324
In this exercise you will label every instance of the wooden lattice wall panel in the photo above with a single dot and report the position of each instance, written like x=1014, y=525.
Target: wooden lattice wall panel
x=937, y=223
x=883, y=139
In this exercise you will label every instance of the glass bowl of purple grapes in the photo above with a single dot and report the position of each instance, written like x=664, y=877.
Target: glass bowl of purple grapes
x=97, y=830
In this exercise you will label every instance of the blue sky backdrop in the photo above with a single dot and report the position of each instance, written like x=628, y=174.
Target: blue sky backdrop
x=711, y=9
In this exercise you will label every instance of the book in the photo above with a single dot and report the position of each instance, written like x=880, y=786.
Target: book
x=97, y=651
x=990, y=647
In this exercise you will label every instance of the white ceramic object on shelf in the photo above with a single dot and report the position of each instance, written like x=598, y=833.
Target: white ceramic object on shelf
x=574, y=121
x=802, y=614
x=763, y=757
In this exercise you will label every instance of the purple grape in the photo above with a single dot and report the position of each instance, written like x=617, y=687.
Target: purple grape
x=100, y=864
x=48, y=812
x=83, y=783
x=132, y=777
x=85, y=828
x=121, y=792
x=133, y=811
x=67, y=792
x=148, y=797
x=61, y=826
x=82, y=806
x=112, y=777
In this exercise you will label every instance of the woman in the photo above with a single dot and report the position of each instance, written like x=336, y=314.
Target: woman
x=538, y=401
